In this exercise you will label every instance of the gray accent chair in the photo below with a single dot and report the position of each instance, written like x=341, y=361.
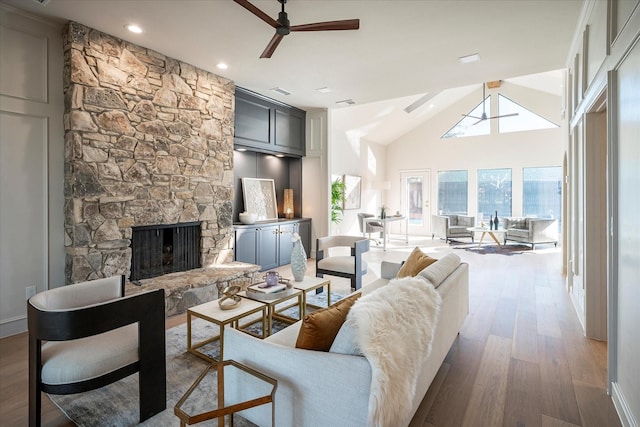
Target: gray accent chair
x=450, y=227
x=87, y=335
x=531, y=231
x=330, y=259
x=370, y=227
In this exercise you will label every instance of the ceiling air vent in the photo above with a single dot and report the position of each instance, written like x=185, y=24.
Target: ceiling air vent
x=346, y=102
x=281, y=91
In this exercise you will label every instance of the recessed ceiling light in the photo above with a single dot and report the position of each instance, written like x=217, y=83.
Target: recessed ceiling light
x=133, y=28
x=241, y=149
x=324, y=90
x=280, y=155
x=469, y=58
x=222, y=66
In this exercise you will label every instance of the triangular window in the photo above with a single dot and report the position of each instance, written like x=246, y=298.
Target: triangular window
x=525, y=120
x=472, y=126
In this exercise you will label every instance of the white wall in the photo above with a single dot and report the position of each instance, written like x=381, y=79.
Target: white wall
x=351, y=154
x=423, y=148
x=32, y=158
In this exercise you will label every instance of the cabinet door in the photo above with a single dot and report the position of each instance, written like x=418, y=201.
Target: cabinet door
x=268, y=247
x=286, y=244
x=289, y=132
x=253, y=122
x=304, y=230
x=246, y=245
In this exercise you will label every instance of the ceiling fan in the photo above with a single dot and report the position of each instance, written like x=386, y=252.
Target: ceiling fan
x=283, y=27
x=484, y=116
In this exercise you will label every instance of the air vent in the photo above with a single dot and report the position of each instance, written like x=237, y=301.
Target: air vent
x=346, y=101
x=281, y=91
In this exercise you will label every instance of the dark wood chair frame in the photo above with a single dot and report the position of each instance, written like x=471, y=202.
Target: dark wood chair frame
x=358, y=248
x=145, y=308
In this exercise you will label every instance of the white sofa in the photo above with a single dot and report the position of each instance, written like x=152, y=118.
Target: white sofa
x=318, y=388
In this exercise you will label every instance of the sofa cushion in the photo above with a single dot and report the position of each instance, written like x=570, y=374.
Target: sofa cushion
x=345, y=341
x=415, y=263
x=65, y=362
x=320, y=328
x=520, y=223
x=343, y=264
x=441, y=269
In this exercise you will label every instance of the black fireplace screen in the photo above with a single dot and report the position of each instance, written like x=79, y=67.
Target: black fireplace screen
x=161, y=249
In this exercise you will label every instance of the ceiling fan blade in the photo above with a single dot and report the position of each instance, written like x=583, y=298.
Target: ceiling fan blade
x=473, y=117
x=481, y=120
x=260, y=14
x=504, y=115
x=271, y=47
x=347, y=24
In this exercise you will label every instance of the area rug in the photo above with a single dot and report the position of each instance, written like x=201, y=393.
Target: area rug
x=116, y=405
x=495, y=249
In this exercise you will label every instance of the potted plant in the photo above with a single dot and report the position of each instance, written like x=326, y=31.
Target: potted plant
x=337, y=199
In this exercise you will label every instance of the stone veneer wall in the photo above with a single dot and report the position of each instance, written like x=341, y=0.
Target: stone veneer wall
x=148, y=140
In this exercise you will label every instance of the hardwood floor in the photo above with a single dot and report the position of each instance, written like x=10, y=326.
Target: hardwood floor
x=520, y=358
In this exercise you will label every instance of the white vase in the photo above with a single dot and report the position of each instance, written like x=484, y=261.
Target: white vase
x=298, y=261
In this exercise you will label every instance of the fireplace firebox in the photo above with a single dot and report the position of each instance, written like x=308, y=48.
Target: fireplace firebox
x=162, y=249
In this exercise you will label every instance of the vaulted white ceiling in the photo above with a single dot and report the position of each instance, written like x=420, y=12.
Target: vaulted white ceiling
x=403, y=49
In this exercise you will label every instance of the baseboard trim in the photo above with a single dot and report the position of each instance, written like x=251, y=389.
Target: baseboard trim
x=622, y=408
x=13, y=326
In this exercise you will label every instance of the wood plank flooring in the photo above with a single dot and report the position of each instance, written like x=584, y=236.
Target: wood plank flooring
x=520, y=359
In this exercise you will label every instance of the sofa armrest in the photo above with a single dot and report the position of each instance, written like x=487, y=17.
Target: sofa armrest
x=439, y=225
x=543, y=229
x=308, y=382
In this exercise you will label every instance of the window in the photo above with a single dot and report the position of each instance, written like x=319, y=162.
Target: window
x=542, y=192
x=452, y=192
x=494, y=192
x=471, y=126
x=525, y=120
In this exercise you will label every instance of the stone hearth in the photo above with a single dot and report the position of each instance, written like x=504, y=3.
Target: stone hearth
x=189, y=288
x=148, y=141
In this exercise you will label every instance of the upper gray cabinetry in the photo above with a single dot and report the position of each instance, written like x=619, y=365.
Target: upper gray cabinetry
x=267, y=126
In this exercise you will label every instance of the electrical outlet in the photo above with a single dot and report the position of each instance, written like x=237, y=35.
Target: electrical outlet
x=30, y=291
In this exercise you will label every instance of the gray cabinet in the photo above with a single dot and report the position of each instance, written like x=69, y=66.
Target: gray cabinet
x=269, y=244
x=265, y=125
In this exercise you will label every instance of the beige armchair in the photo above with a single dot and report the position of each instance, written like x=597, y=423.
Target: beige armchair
x=532, y=231
x=351, y=266
x=450, y=227
x=87, y=335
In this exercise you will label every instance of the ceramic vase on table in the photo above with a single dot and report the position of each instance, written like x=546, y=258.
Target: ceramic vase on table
x=298, y=259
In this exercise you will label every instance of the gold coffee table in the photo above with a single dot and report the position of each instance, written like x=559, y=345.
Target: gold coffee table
x=211, y=312
x=197, y=404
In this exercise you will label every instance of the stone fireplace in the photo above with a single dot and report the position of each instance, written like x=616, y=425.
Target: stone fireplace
x=148, y=141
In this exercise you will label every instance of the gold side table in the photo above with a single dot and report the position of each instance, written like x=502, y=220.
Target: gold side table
x=274, y=311
x=211, y=312
x=309, y=284
x=197, y=404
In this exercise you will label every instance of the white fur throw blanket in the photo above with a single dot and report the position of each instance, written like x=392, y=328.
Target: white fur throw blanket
x=394, y=327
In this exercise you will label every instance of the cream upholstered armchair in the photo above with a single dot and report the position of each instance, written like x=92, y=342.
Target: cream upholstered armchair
x=351, y=266
x=87, y=335
x=532, y=231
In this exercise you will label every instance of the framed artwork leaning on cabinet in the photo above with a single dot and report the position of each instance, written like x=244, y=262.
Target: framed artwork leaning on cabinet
x=260, y=197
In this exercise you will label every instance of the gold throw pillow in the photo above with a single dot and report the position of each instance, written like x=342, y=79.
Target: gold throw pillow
x=320, y=328
x=416, y=262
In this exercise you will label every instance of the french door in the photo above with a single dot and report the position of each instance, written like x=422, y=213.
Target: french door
x=416, y=188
